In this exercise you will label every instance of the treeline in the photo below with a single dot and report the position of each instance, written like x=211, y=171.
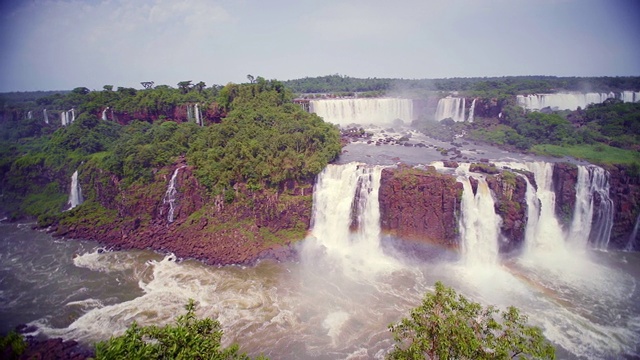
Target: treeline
x=260, y=138
x=491, y=87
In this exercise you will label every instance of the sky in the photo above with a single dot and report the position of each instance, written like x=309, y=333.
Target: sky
x=63, y=44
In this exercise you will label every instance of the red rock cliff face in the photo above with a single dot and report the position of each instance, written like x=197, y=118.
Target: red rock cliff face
x=420, y=205
x=511, y=204
x=256, y=224
x=624, y=190
x=565, y=177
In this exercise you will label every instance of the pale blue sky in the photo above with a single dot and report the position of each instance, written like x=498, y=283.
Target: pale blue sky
x=62, y=44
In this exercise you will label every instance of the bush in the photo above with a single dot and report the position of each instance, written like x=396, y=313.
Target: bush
x=448, y=326
x=189, y=338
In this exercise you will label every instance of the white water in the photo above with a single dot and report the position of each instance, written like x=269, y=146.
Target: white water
x=380, y=111
x=64, y=118
x=198, y=115
x=29, y=115
x=75, y=194
x=630, y=96
x=46, y=117
x=472, y=111
x=450, y=107
x=170, y=194
x=104, y=113
x=479, y=225
x=562, y=101
x=634, y=235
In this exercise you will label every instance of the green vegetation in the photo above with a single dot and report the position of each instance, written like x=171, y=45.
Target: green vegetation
x=12, y=345
x=594, y=153
x=189, y=338
x=448, y=326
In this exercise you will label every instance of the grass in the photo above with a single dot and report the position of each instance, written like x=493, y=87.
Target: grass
x=597, y=153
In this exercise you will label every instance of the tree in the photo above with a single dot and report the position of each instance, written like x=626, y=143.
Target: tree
x=200, y=86
x=185, y=86
x=189, y=338
x=250, y=78
x=448, y=326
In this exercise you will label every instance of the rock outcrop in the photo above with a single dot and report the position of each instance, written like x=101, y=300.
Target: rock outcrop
x=420, y=205
x=565, y=176
x=624, y=185
x=511, y=204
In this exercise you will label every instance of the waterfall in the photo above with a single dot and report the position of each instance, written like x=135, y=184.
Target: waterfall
x=170, y=194
x=631, y=244
x=64, y=118
x=450, y=107
x=29, y=115
x=363, y=111
x=73, y=115
x=345, y=197
x=75, y=194
x=472, y=110
x=46, y=117
x=562, y=101
x=198, y=115
x=104, y=113
x=630, y=96
x=479, y=224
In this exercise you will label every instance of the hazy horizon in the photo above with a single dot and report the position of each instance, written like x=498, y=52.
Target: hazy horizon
x=63, y=44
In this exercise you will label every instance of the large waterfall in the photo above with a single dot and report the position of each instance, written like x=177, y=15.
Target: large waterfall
x=75, y=193
x=170, y=195
x=572, y=100
x=479, y=224
x=379, y=111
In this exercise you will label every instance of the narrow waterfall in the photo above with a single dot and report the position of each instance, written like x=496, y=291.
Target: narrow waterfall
x=75, y=194
x=450, y=107
x=73, y=115
x=632, y=243
x=198, y=115
x=472, y=110
x=479, y=224
x=602, y=218
x=583, y=210
x=170, y=194
x=64, y=118
x=363, y=111
x=562, y=101
x=29, y=115
x=46, y=117
x=346, y=217
x=104, y=113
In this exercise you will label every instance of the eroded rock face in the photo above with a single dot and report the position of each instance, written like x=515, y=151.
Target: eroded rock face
x=565, y=177
x=511, y=204
x=624, y=190
x=420, y=205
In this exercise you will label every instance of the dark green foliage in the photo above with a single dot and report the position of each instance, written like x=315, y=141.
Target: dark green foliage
x=12, y=345
x=448, y=326
x=189, y=338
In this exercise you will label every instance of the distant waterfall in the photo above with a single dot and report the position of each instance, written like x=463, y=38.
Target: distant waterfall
x=29, y=115
x=197, y=114
x=345, y=197
x=479, y=224
x=46, y=116
x=630, y=96
x=75, y=194
x=64, y=118
x=363, y=111
x=472, y=110
x=73, y=114
x=104, y=113
x=562, y=101
x=451, y=107
x=170, y=194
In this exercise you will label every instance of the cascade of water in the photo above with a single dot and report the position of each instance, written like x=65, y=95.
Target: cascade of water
x=345, y=197
x=63, y=118
x=479, y=224
x=198, y=115
x=73, y=115
x=547, y=234
x=630, y=96
x=104, y=113
x=450, y=107
x=631, y=244
x=29, y=115
x=472, y=110
x=46, y=117
x=170, y=194
x=583, y=210
x=602, y=219
x=75, y=194
x=562, y=101
x=363, y=111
